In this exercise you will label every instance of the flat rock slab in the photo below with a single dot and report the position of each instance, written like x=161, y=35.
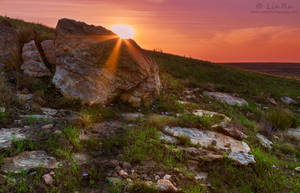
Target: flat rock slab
x=209, y=139
x=230, y=130
x=132, y=116
x=27, y=161
x=294, y=133
x=231, y=100
x=7, y=136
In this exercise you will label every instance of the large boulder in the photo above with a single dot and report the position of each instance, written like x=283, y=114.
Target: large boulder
x=49, y=50
x=92, y=63
x=33, y=64
x=9, y=45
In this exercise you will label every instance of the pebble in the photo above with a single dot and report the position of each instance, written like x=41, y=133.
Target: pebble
x=123, y=174
x=167, y=177
x=48, y=126
x=48, y=179
x=297, y=169
x=165, y=185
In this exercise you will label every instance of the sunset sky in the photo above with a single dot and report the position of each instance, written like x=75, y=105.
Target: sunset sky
x=215, y=30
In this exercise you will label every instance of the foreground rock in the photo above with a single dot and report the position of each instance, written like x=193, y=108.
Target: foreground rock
x=231, y=100
x=8, y=135
x=165, y=185
x=294, y=133
x=9, y=44
x=96, y=66
x=28, y=161
x=33, y=64
x=213, y=145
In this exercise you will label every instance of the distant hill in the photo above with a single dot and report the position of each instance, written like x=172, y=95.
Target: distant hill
x=282, y=69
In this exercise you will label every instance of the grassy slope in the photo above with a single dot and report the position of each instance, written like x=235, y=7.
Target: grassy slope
x=45, y=32
x=233, y=80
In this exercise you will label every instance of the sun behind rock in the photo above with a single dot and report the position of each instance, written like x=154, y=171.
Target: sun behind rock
x=123, y=31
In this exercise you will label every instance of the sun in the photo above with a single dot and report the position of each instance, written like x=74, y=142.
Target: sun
x=123, y=31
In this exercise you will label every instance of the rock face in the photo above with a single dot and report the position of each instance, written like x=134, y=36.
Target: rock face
x=49, y=50
x=229, y=129
x=96, y=66
x=33, y=64
x=27, y=161
x=9, y=45
x=231, y=100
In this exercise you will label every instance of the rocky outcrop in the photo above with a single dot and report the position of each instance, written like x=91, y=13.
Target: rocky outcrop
x=287, y=100
x=229, y=129
x=8, y=135
x=92, y=63
x=210, y=145
x=27, y=161
x=9, y=45
x=33, y=64
x=264, y=141
x=226, y=98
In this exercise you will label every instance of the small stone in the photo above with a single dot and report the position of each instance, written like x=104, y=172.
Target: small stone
x=157, y=177
x=201, y=176
x=49, y=126
x=287, y=100
x=297, y=169
x=52, y=173
x=242, y=158
x=48, y=179
x=57, y=132
x=2, y=109
x=126, y=165
x=264, y=141
x=24, y=97
x=165, y=185
x=167, y=177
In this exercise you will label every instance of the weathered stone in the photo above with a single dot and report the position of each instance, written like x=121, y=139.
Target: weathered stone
x=8, y=135
x=123, y=174
x=93, y=64
x=202, y=113
x=132, y=116
x=264, y=141
x=33, y=64
x=287, y=100
x=167, y=177
x=49, y=50
x=231, y=100
x=24, y=97
x=48, y=179
x=297, y=169
x=9, y=45
x=209, y=139
x=27, y=161
x=242, y=158
x=165, y=185
x=229, y=129
x=167, y=138
x=201, y=176
x=294, y=132
x=48, y=126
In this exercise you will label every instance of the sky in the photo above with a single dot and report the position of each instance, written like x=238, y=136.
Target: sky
x=214, y=30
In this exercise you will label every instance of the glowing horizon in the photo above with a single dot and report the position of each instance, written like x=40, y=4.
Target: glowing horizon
x=231, y=31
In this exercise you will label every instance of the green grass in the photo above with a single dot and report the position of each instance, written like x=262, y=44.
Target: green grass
x=247, y=84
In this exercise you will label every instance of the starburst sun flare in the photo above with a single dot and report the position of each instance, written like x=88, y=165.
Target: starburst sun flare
x=123, y=31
